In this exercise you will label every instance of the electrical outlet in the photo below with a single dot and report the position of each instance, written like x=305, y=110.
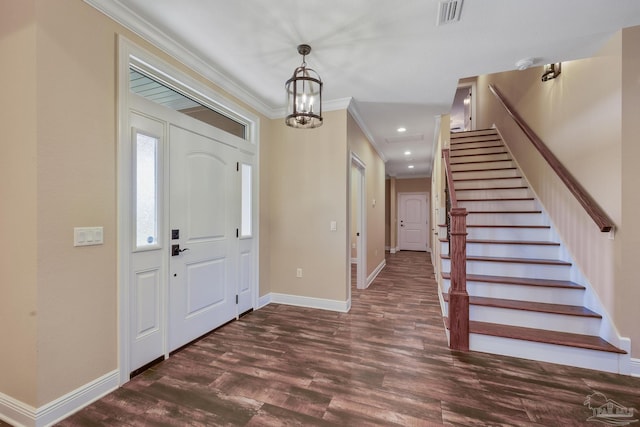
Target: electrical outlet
x=299, y=272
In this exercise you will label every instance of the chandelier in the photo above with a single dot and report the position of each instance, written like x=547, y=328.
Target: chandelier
x=304, y=95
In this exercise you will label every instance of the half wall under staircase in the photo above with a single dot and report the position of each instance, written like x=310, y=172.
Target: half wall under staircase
x=526, y=298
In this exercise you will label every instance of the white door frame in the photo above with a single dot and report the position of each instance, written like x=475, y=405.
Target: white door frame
x=361, y=259
x=129, y=53
x=421, y=193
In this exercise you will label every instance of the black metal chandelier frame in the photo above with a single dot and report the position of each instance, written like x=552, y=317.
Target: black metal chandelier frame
x=304, y=89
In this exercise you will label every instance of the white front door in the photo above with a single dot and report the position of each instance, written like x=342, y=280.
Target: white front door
x=192, y=190
x=204, y=212
x=413, y=217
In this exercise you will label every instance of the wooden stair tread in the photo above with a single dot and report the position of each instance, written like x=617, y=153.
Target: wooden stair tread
x=508, y=242
x=505, y=199
x=477, y=154
x=455, y=137
x=543, y=336
x=520, y=187
x=481, y=161
x=588, y=342
x=478, y=148
x=504, y=212
x=514, y=260
x=523, y=281
x=502, y=226
x=486, y=179
x=569, y=310
x=484, y=170
x=506, y=226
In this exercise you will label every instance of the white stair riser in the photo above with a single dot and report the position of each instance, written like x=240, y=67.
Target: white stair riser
x=485, y=174
x=506, y=250
x=505, y=193
x=475, y=139
x=482, y=158
x=511, y=182
x=481, y=166
x=532, y=319
x=474, y=150
x=543, y=294
x=506, y=219
x=526, y=293
x=571, y=356
x=499, y=205
x=514, y=269
x=501, y=233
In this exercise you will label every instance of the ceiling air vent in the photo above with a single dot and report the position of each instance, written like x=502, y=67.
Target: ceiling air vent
x=449, y=11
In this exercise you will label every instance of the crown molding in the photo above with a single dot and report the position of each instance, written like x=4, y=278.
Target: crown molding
x=120, y=13
x=367, y=133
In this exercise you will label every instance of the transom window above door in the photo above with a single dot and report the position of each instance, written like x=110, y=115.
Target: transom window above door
x=153, y=90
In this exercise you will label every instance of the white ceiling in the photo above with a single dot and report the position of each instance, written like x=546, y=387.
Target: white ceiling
x=398, y=67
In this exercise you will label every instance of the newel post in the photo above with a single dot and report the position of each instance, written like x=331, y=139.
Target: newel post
x=458, y=296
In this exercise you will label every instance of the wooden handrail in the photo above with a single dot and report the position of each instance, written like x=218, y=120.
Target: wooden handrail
x=458, y=296
x=447, y=169
x=596, y=213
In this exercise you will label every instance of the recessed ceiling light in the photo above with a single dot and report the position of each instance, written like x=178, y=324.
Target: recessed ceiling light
x=402, y=129
x=407, y=153
x=410, y=166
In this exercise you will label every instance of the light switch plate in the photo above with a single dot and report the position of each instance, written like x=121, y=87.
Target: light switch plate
x=88, y=236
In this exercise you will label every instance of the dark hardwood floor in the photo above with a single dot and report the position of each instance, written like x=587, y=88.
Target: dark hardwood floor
x=385, y=363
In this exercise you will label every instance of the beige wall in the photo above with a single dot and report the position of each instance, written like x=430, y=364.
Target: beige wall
x=18, y=192
x=76, y=187
x=413, y=185
x=587, y=119
x=628, y=247
x=308, y=190
x=375, y=191
x=58, y=304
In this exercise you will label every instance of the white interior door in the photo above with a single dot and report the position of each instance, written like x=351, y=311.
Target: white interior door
x=413, y=218
x=204, y=210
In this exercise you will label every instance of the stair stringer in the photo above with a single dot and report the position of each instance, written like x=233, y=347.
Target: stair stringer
x=591, y=299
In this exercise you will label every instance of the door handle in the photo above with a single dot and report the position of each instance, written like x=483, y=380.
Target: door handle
x=175, y=250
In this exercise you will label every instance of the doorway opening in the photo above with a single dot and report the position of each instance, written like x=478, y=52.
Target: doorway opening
x=463, y=108
x=357, y=224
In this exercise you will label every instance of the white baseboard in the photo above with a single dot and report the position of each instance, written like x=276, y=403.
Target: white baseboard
x=310, y=302
x=635, y=367
x=15, y=412
x=22, y=415
x=394, y=250
x=375, y=272
x=264, y=301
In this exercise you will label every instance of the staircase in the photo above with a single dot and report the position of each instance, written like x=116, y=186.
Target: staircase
x=523, y=302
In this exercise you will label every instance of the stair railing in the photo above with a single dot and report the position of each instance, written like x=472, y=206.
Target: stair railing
x=596, y=213
x=457, y=237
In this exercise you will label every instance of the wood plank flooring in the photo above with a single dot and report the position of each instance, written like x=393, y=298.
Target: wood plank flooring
x=385, y=363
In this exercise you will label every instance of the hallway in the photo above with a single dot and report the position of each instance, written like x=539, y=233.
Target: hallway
x=384, y=363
